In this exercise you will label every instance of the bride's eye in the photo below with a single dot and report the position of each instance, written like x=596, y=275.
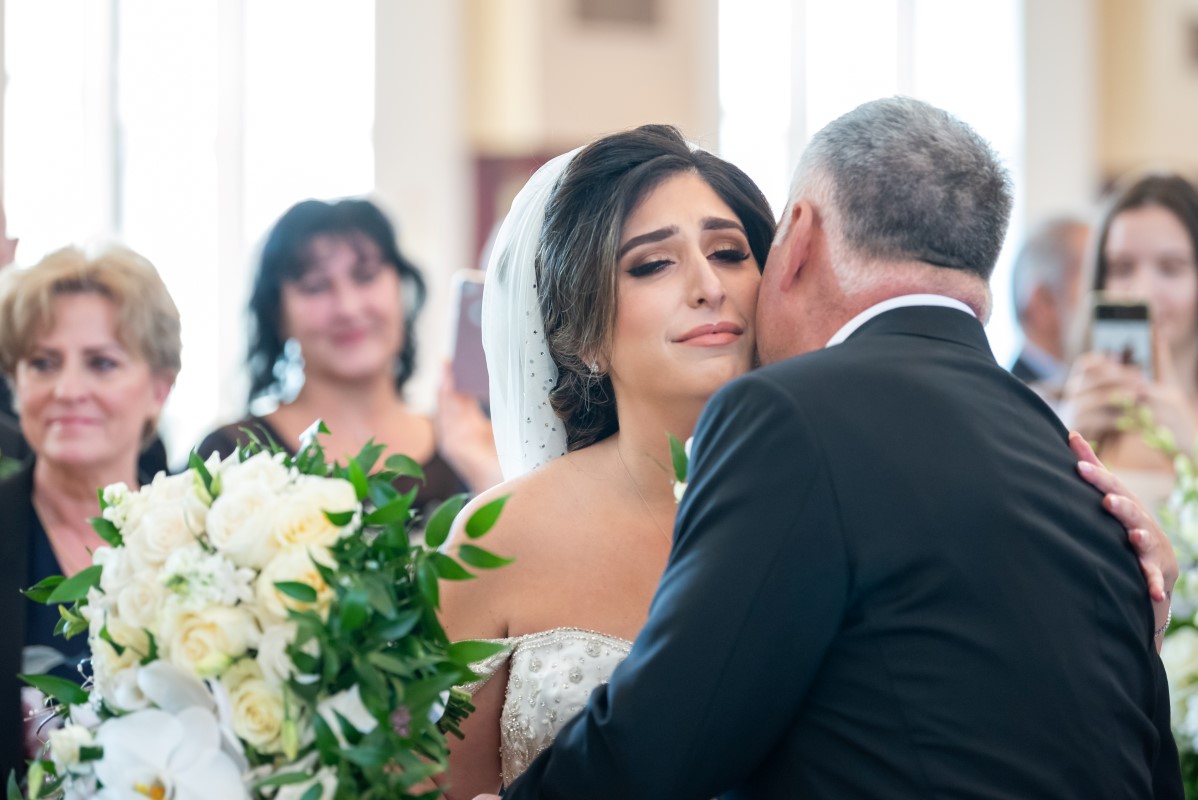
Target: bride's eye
x=648, y=268
x=730, y=255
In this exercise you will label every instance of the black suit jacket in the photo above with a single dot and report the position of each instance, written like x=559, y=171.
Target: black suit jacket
x=887, y=581
x=1022, y=369
x=16, y=530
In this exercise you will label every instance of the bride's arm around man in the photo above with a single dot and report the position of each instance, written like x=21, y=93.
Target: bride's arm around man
x=888, y=579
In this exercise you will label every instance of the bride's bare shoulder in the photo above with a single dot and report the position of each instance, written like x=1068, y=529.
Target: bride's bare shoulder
x=538, y=503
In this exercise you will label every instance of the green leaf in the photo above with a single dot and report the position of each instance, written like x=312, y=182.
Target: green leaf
x=196, y=463
x=61, y=689
x=405, y=467
x=369, y=455
x=326, y=740
x=679, y=457
x=448, y=569
x=40, y=592
x=110, y=533
x=389, y=663
x=355, y=610
x=484, y=519
x=358, y=478
x=395, y=511
x=117, y=648
x=72, y=622
x=441, y=521
x=365, y=756
x=315, y=791
x=76, y=587
x=480, y=558
x=399, y=627
x=152, y=654
x=14, y=791
x=297, y=591
x=468, y=652
x=426, y=579
x=339, y=518
x=286, y=779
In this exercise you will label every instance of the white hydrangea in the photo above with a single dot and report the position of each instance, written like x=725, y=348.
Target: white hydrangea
x=197, y=578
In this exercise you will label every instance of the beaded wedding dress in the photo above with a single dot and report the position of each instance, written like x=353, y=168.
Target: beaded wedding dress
x=551, y=675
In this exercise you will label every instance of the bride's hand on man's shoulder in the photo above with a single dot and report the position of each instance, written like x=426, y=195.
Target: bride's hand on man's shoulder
x=1158, y=562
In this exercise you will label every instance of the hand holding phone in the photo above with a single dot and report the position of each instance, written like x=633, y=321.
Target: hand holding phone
x=1123, y=331
x=469, y=362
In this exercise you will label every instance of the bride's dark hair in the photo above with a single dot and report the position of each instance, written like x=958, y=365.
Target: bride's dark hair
x=576, y=259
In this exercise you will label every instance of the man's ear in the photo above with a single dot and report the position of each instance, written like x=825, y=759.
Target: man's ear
x=795, y=247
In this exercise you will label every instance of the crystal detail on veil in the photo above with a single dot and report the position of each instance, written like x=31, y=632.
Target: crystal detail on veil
x=551, y=675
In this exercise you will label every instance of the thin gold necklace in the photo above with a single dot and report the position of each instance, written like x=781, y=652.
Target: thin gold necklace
x=644, y=502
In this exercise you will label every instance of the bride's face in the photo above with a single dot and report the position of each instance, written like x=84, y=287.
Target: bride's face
x=687, y=293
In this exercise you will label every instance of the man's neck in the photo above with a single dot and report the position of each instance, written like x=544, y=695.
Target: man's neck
x=906, y=278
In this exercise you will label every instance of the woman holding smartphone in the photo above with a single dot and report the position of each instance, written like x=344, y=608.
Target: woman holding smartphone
x=1146, y=251
x=334, y=304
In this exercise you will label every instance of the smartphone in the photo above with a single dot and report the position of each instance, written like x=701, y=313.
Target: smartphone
x=469, y=363
x=1123, y=331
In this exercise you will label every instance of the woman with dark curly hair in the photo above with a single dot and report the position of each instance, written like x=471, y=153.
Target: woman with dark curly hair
x=335, y=303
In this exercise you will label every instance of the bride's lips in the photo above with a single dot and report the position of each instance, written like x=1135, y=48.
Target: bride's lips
x=711, y=335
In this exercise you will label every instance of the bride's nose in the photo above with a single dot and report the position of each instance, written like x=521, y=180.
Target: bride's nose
x=704, y=286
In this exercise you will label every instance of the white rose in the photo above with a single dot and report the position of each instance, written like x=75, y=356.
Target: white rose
x=348, y=703
x=1179, y=654
x=292, y=566
x=262, y=470
x=272, y=655
x=119, y=565
x=65, y=744
x=300, y=519
x=258, y=709
x=239, y=525
x=140, y=601
x=206, y=642
x=109, y=667
x=126, y=693
x=163, y=528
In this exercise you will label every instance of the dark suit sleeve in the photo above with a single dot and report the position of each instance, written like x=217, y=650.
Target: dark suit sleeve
x=754, y=592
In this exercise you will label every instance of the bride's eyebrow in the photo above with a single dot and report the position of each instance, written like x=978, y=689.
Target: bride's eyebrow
x=721, y=224
x=646, y=238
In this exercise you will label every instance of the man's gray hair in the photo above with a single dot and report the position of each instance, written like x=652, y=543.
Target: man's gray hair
x=899, y=179
x=1044, y=260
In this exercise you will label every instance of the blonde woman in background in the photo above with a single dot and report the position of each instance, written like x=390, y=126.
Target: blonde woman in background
x=91, y=345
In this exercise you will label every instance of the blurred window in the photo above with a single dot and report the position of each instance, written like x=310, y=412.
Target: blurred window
x=788, y=67
x=184, y=130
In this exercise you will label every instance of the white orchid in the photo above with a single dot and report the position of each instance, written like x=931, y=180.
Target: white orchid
x=153, y=753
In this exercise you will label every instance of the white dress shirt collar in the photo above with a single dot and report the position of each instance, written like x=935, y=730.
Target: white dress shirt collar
x=897, y=302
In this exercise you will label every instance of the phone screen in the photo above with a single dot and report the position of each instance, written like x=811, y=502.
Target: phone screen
x=1123, y=332
x=469, y=361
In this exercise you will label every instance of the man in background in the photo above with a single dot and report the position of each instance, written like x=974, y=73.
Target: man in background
x=1046, y=287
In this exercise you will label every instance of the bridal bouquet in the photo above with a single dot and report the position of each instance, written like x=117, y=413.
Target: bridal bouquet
x=261, y=627
x=1179, y=652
